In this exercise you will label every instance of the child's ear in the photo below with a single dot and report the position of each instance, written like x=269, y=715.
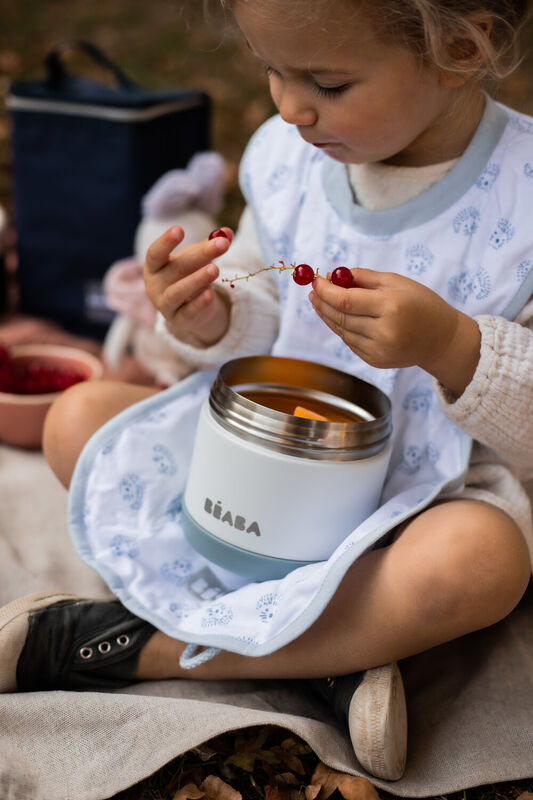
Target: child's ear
x=466, y=53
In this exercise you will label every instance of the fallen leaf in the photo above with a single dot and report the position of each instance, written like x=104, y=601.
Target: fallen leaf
x=351, y=787
x=217, y=789
x=287, y=779
x=293, y=794
x=271, y=792
x=188, y=792
x=288, y=752
x=204, y=752
x=312, y=790
x=289, y=759
x=244, y=761
x=298, y=747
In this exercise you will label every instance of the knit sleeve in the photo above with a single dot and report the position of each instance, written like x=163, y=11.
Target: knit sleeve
x=495, y=408
x=254, y=311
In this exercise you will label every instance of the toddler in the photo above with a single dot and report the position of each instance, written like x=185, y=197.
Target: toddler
x=387, y=156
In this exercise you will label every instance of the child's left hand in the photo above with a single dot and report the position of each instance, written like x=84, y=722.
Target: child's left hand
x=391, y=321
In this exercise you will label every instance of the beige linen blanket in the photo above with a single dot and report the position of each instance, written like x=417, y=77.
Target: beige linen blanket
x=470, y=702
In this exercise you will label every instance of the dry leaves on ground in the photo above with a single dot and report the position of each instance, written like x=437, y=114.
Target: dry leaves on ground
x=212, y=788
x=269, y=763
x=326, y=780
x=189, y=792
x=261, y=762
x=287, y=787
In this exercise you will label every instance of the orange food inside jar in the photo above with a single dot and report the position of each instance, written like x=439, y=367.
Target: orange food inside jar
x=288, y=403
x=306, y=413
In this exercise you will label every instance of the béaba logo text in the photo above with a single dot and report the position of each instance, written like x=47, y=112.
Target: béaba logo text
x=234, y=520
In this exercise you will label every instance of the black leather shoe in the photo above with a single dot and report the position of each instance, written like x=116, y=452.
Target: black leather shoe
x=56, y=641
x=371, y=706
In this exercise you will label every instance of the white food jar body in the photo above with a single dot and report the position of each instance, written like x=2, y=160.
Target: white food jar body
x=267, y=493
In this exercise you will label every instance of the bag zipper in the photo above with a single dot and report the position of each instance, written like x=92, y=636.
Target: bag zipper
x=15, y=103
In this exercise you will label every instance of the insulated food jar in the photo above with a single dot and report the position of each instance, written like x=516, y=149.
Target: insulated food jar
x=289, y=458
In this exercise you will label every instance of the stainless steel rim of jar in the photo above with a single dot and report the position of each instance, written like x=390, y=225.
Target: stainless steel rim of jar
x=297, y=436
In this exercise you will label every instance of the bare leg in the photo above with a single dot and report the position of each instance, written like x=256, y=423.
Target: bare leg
x=457, y=567
x=78, y=413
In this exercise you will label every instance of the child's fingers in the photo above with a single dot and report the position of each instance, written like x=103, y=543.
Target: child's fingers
x=355, y=301
x=188, y=259
x=159, y=251
x=368, y=278
x=344, y=325
x=187, y=288
x=192, y=311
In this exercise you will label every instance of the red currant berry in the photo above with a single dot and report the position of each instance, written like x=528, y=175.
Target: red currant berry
x=303, y=274
x=218, y=232
x=341, y=276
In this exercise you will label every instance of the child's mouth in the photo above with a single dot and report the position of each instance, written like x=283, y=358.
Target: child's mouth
x=326, y=145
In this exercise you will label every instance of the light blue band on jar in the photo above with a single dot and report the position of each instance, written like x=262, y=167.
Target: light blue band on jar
x=255, y=566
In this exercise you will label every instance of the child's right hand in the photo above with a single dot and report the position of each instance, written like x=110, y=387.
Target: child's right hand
x=179, y=286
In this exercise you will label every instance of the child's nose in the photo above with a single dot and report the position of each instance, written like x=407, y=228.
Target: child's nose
x=295, y=108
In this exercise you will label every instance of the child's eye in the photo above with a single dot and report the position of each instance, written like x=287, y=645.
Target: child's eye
x=322, y=91
x=330, y=91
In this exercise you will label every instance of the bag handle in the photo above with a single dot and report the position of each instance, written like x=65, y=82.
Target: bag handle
x=56, y=72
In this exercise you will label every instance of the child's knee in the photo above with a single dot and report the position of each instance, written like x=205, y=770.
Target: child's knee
x=472, y=562
x=504, y=568
x=70, y=421
x=78, y=413
x=484, y=564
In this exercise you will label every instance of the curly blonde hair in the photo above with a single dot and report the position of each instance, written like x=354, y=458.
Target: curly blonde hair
x=478, y=36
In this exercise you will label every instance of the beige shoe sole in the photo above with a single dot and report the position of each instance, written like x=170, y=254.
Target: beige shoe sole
x=14, y=619
x=377, y=720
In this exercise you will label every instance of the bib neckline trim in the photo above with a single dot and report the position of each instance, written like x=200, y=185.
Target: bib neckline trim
x=430, y=203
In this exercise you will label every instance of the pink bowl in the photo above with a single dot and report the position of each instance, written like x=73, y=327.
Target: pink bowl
x=22, y=415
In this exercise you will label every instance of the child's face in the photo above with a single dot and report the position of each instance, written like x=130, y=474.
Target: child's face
x=351, y=94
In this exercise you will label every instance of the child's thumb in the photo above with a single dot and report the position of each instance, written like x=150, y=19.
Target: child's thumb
x=366, y=278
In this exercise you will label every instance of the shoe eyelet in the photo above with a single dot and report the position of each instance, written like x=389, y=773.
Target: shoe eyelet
x=104, y=647
x=123, y=640
x=330, y=682
x=86, y=652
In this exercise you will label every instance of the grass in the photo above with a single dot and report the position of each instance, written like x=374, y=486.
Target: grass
x=163, y=44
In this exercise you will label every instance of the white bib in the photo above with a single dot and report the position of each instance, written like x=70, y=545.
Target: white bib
x=468, y=238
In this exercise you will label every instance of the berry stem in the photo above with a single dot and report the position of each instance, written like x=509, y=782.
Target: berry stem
x=280, y=266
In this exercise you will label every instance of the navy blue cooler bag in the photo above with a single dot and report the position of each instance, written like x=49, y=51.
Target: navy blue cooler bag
x=84, y=153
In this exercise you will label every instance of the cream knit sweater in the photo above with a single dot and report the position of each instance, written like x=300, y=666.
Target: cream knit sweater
x=494, y=409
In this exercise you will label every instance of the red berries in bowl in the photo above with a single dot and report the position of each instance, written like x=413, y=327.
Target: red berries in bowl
x=342, y=276
x=32, y=376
